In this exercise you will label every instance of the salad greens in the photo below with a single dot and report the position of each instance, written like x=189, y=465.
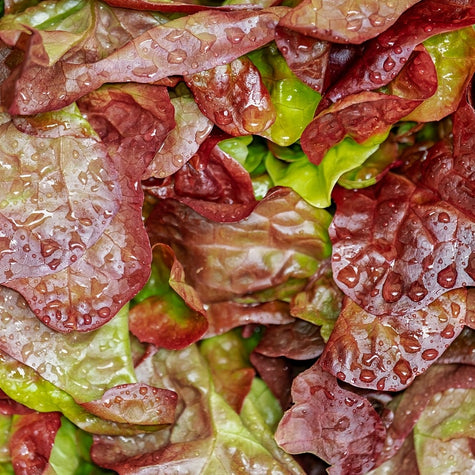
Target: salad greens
x=237, y=237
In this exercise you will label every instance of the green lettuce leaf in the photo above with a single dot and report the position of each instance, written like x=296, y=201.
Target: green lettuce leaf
x=295, y=102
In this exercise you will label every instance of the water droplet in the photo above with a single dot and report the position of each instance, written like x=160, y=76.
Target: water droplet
x=252, y=119
x=367, y=376
x=223, y=117
x=392, y=287
x=177, y=56
x=397, y=50
x=349, y=402
x=389, y=64
x=448, y=332
x=75, y=154
x=417, y=291
x=403, y=370
x=447, y=277
x=443, y=217
x=409, y=342
x=349, y=276
x=376, y=20
x=428, y=28
x=342, y=424
x=118, y=399
x=104, y=312
x=54, y=264
x=26, y=248
x=48, y=247
x=143, y=390
x=341, y=376
x=87, y=319
x=234, y=35
x=380, y=385
x=430, y=355
x=375, y=77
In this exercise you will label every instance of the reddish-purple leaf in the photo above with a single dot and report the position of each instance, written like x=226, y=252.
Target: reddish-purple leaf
x=277, y=374
x=346, y=21
x=32, y=440
x=437, y=379
x=58, y=192
x=299, y=340
x=360, y=117
x=233, y=96
x=98, y=284
x=224, y=316
x=183, y=46
x=398, y=246
x=174, y=317
x=386, y=353
x=186, y=6
x=135, y=403
x=282, y=240
x=307, y=57
x=462, y=349
x=213, y=184
x=385, y=55
x=130, y=118
x=335, y=424
x=183, y=141
x=471, y=308
x=9, y=406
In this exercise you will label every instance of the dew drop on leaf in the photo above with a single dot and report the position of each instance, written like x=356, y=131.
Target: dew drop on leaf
x=349, y=276
x=403, y=370
x=447, y=277
x=392, y=287
x=430, y=355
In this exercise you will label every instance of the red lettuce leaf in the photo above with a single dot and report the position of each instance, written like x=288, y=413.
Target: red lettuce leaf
x=298, y=340
x=346, y=22
x=9, y=406
x=213, y=184
x=413, y=401
x=99, y=283
x=399, y=245
x=385, y=55
x=183, y=46
x=277, y=374
x=462, y=349
x=135, y=403
x=282, y=240
x=183, y=141
x=386, y=353
x=359, y=117
x=174, y=317
x=59, y=191
x=187, y=6
x=335, y=424
x=233, y=95
x=307, y=57
x=224, y=316
x=366, y=114
x=130, y=118
x=32, y=440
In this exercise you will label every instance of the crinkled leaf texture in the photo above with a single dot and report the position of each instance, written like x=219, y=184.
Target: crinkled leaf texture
x=399, y=245
x=386, y=353
x=212, y=183
x=284, y=238
x=32, y=441
x=98, y=283
x=59, y=190
x=239, y=102
x=415, y=399
x=183, y=141
x=346, y=21
x=183, y=46
x=172, y=316
x=388, y=53
x=335, y=424
x=208, y=436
